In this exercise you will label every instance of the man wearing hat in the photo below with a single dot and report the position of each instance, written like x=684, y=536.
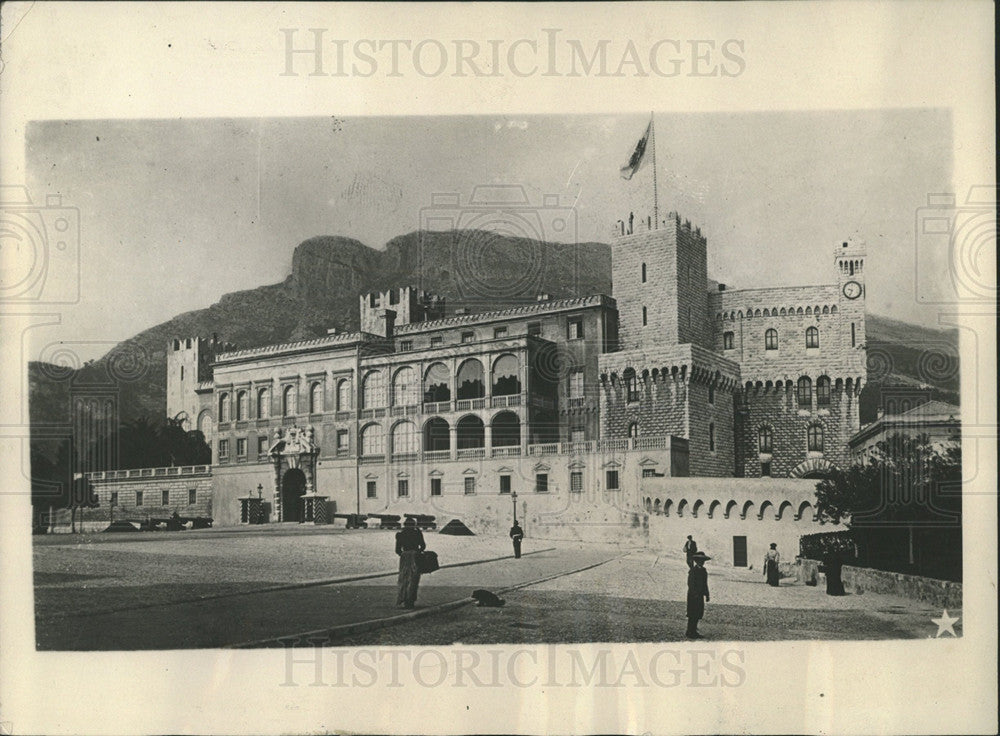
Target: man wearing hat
x=690, y=547
x=409, y=543
x=697, y=593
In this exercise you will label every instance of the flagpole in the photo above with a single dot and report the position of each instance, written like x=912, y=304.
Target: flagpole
x=656, y=210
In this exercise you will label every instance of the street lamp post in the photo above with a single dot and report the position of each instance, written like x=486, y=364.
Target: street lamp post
x=513, y=497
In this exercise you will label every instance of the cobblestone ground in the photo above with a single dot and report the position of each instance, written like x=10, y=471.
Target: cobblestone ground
x=163, y=590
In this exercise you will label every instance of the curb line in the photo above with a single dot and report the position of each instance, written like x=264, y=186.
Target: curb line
x=327, y=635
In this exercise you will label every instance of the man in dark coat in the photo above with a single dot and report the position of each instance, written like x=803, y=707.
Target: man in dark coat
x=409, y=543
x=517, y=534
x=697, y=593
x=690, y=547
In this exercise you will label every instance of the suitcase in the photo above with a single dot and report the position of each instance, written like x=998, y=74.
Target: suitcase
x=427, y=561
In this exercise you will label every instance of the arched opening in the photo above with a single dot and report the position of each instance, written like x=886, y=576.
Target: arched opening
x=506, y=430
x=682, y=507
x=731, y=508
x=823, y=391
x=437, y=436
x=764, y=508
x=471, y=383
x=697, y=507
x=205, y=423
x=373, y=390
x=263, y=403
x=803, y=391
x=783, y=510
x=713, y=509
x=289, y=401
x=633, y=430
x=293, y=487
x=812, y=337
x=471, y=433
x=224, y=407
x=747, y=510
x=242, y=405
x=656, y=506
x=437, y=384
x=806, y=511
x=404, y=439
x=506, y=376
x=667, y=506
x=372, y=441
x=404, y=387
x=344, y=395
x=648, y=505
x=316, y=398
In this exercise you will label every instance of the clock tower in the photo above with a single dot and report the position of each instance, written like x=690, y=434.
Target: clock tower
x=849, y=260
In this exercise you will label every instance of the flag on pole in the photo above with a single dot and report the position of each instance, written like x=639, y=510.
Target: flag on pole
x=635, y=161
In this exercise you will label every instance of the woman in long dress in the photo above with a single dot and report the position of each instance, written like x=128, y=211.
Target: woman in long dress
x=771, y=560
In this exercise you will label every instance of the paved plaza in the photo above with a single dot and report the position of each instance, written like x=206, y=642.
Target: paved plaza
x=254, y=587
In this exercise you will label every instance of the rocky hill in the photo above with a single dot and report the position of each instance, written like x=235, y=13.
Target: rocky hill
x=474, y=269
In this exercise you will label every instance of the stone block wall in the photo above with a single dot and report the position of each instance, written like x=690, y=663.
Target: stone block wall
x=177, y=488
x=939, y=593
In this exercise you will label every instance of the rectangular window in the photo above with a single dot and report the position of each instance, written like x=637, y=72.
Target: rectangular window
x=435, y=342
x=403, y=487
x=578, y=434
x=261, y=446
x=504, y=484
x=611, y=480
x=223, y=449
x=574, y=329
x=711, y=438
x=645, y=317
x=138, y=498
x=405, y=346
x=534, y=329
x=853, y=338
x=164, y=498
x=651, y=473
x=576, y=482
x=711, y=394
x=371, y=489
x=114, y=498
x=468, y=336
x=541, y=482
x=576, y=384
x=343, y=442
x=765, y=469
x=727, y=340
x=435, y=486
x=470, y=486
x=192, y=496
x=499, y=332
x=241, y=447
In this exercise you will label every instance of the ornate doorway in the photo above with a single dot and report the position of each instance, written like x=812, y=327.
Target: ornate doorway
x=293, y=487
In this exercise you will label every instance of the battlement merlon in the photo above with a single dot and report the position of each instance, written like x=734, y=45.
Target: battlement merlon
x=637, y=223
x=687, y=361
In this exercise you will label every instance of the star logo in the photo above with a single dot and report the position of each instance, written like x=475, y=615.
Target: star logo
x=945, y=624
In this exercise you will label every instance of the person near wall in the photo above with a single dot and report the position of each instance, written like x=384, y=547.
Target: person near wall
x=409, y=544
x=516, y=535
x=697, y=593
x=690, y=548
x=771, y=560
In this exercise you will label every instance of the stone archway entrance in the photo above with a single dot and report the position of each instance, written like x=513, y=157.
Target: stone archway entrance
x=815, y=467
x=293, y=487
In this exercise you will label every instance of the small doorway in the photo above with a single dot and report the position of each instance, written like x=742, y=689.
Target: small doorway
x=739, y=551
x=293, y=487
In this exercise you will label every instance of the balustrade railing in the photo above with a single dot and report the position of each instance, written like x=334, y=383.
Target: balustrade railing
x=371, y=459
x=437, y=454
x=511, y=451
x=470, y=452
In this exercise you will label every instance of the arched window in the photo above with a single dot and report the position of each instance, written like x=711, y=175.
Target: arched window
x=437, y=384
x=289, y=401
x=812, y=337
x=470, y=380
x=205, y=423
x=316, y=398
x=631, y=385
x=506, y=376
x=344, y=395
x=727, y=340
x=372, y=440
x=373, y=390
x=765, y=440
x=242, y=404
x=815, y=434
x=803, y=391
x=404, y=439
x=823, y=391
x=224, y=407
x=263, y=403
x=771, y=339
x=633, y=430
x=505, y=430
x=404, y=387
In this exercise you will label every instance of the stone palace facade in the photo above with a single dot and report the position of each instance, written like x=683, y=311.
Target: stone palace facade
x=578, y=413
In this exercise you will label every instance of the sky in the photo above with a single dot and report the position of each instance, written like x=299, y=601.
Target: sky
x=176, y=213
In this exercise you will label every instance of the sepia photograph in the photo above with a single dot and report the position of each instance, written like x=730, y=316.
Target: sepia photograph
x=497, y=402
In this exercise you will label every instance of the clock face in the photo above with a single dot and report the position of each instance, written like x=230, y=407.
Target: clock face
x=852, y=289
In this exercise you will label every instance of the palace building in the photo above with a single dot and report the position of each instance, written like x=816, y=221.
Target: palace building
x=582, y=414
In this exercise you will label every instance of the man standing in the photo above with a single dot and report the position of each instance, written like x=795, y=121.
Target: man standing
x=517, y=534
x=690, y=548
x=697, y=594
x=409, y=543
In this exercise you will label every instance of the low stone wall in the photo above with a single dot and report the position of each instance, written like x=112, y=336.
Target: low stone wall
x=940, y=593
